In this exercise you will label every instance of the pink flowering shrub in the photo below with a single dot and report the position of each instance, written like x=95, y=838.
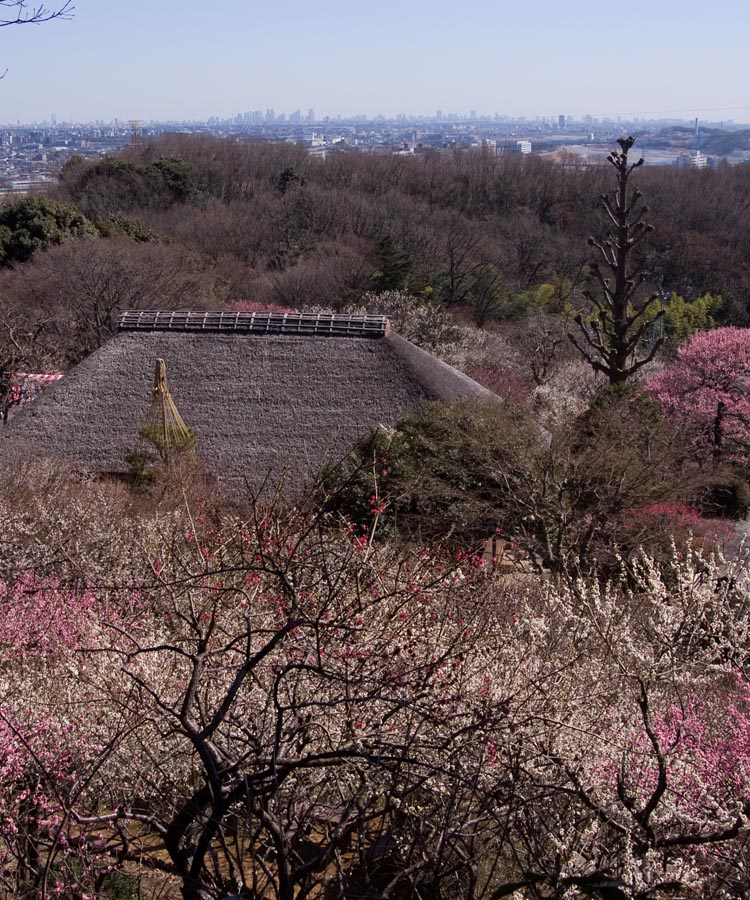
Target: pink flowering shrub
x=707, y=388
x=47, y=737
x=501, y=382
x=41, y=621
x=647, y=726
x=696, y=758
x=658, y=526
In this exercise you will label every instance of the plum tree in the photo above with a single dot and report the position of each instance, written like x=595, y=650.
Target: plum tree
x=707, y=388
x=281, y=707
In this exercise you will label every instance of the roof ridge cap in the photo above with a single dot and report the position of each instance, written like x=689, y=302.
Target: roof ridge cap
x=331, y=324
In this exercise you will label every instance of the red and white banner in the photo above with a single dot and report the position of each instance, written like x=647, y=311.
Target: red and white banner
x=27, y=386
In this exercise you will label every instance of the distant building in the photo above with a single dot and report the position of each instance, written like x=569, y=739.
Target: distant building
x=523, y=147
x=738, y=156
x=561, y=122
x=699, y=160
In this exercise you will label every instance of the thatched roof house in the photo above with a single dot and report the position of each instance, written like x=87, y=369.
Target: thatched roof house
x=263, y=393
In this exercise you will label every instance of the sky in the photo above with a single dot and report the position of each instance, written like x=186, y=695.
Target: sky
x=191, y=59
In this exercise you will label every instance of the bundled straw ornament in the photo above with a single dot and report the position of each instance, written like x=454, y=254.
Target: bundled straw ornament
x=165, y=427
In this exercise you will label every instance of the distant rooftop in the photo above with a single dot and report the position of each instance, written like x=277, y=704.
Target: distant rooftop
x=255, y=323
x=267, y=396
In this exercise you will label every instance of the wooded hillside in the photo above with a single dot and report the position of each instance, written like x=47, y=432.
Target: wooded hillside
x=188, y=220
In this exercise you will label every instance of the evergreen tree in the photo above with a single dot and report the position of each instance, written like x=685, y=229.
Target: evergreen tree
x=35, y=223
x=395, y=267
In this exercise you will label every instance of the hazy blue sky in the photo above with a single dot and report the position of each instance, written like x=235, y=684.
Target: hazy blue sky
x=180, y=60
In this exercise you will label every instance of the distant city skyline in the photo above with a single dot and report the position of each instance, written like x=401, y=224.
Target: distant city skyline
x=267, y=116
x=183, y=61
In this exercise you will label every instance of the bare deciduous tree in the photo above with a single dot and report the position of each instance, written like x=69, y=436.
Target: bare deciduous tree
x=65, y=304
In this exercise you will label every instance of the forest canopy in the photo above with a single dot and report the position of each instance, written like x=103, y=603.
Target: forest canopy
x=462, y=234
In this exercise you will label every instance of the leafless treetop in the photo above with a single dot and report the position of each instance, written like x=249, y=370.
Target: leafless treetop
x=20, y=12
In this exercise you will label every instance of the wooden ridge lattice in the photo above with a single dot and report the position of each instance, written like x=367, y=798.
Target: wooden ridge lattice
x=331, y=325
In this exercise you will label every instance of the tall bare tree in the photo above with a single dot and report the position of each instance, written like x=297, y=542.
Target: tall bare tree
x=610, y=341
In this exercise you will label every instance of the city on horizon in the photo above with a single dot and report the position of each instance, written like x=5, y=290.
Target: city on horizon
x=516, y=79
x=298, y=116
x=672, y=61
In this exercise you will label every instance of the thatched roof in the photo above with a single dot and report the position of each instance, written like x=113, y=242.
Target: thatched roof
x=261, y=398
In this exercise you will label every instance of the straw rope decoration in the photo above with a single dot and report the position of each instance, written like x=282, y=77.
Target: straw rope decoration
x=165, y=427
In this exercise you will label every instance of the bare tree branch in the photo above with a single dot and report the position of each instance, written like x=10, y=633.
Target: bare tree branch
x=19, y=12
